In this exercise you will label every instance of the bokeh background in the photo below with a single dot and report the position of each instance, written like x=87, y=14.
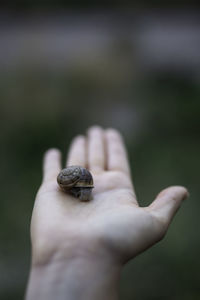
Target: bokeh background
x=135, y=68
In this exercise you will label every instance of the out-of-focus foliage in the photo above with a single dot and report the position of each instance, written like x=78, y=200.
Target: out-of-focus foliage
x=158, y=113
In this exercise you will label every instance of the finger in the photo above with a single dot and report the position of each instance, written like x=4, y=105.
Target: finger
x=96, y=150
x=116, y=153
x=51, y=164
x=167, y=203
x=77, y=152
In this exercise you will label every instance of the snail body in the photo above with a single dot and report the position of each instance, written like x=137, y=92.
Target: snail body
x=77, y=181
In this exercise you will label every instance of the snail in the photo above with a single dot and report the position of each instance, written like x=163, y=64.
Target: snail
x=77, y=181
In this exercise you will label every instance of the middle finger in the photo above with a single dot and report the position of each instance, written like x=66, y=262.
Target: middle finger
x=96, y=149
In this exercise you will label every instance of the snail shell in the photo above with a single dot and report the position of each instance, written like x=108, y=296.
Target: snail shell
x=76, y=180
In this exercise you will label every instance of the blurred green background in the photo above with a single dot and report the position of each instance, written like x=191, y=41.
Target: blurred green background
x=138, y=71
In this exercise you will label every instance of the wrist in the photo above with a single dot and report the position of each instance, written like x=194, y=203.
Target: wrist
x=77, y=270
x=84, y=277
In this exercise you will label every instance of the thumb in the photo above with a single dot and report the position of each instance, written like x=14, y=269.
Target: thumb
x=167, y=203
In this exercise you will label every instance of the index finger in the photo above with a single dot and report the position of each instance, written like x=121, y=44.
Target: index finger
x=51, y=164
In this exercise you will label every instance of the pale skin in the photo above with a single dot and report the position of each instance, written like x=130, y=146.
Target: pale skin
x=79, y=248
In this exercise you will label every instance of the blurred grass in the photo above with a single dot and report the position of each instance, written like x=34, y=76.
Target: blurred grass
x=158, y=114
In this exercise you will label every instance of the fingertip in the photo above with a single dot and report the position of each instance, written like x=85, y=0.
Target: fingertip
x=78, y=138
x=176, y=192
x=94, y=128
x=112, y=131
x=183, y=192
x=114, y=135
x=52, y=152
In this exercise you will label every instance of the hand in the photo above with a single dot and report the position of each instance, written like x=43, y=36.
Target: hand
x=111, y=225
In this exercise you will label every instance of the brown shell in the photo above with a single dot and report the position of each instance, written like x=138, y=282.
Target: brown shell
x=75, y=176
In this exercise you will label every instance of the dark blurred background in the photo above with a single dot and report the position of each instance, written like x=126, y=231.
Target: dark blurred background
x=134, y=67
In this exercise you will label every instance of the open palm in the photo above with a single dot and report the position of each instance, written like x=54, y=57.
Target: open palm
x=112, y=220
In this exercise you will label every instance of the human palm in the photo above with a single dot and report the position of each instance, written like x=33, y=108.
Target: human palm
x=112, y=220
